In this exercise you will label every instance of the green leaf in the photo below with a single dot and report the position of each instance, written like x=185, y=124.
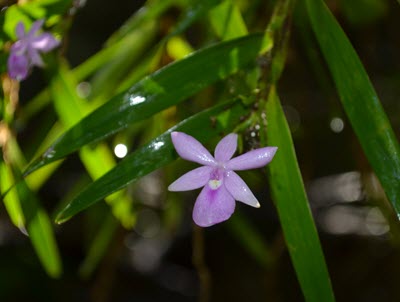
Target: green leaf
x=13, y=15
x=25, y=210
x=45, y=9
x=36, y=180
x=152, y=10
x=11, y=200
x=156, y=154
x=30, y=215
x=291, y=202
x=162, y=89
x=359, y=100
x=114, y=71
x=98, y=159
x=193, y=13
x=40, y=231
x=227, y=21
x=178, y=48
x=28, y=12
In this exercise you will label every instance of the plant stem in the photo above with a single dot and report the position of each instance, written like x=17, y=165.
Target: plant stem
x=200, y=265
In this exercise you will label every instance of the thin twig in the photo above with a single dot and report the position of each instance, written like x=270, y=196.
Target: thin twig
x=200, y=265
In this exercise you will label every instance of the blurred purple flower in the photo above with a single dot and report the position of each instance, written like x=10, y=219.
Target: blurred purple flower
x=222, y=186
x=25, y=53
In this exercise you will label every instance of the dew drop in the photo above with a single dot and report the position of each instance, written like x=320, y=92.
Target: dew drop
x=49, y=153
x=337, y=125
x=120, y=150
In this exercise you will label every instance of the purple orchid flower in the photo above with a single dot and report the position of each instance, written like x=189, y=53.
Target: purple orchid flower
x=25, y=53
x=222, y=186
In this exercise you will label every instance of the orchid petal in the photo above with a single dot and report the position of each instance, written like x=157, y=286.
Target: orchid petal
x=194, y=179
x=19, y=48
x=20, y=30
x=239, y=190
x=213, y=206
x=45, y=42
x=35, y=57
x=226, y=148
x=18, y=67
x=251, y=160
x=34, y=28
x=190, y=149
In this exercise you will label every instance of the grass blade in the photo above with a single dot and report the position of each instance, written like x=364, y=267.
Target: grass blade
x=26, y=212
x=291, y=202
x=359, y=100
x=31, y=216
x=98, y=159
x=227, y=21
x=11, y=200
x=40, y=231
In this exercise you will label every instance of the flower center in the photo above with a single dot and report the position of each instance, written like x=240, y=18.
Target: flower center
x=216, y=179
x=214, y=183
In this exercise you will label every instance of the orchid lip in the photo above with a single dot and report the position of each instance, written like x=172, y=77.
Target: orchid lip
x=216, y=178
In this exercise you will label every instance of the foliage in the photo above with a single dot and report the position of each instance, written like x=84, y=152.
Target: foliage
x=154, y=76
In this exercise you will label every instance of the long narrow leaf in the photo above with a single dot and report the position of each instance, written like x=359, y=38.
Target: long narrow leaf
x=149, y=12
x=31, y=216
x=359, y=100
x=114, y=71
x=11, y=200
x=227, y=21
x=158, y=153
x=193, y=13
x=26, y=212
x=291, y=202
x=40, y=231
x=97, y=160
x=164, y=88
